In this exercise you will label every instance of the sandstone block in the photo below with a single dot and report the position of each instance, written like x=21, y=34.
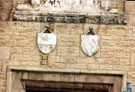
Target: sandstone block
x=121, y=54
x=105, y=48
x=68, y=59
x=125, y=61
x=35, y=76
x=2, y=75
x=17, y=50
x=106, y=54
x=100, y=60
x=106, y=67
x=132, y=55
x=112, y=61
x=78, y=66
x=54, y=59
x=120, y=4
x=67, y=78
x=61, y=31
x=131, y=20
x=21, y=57
x=118, y=49
x=77, y=26
x=113, y=4
x=29, y=50
x=85, y=60
x=75, y=31
x=6, y=4
x=51, y=77
x=66, y=38
x=80, y=78
x=4, y=15
x=64, y=51
x=62, y=26
x=121, y=67
x=132, y=61
x=4, y=52
x=17, y=29
x=125, y=43
x=56, y=65
x=129, y=7
x=31, y=29
x=108, y=43
x=69, y=44
x=107, y=37
x=130, y=49
x=131, y=74
x=93, y=66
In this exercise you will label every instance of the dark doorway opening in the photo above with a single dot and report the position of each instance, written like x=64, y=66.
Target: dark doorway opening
x=45, y=91
x=61, y=91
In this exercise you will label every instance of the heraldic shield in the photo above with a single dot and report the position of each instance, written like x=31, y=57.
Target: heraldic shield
x=90, y=43
x=46, y=41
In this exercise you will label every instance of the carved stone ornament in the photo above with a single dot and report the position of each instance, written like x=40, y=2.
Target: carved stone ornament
x=46, y=40
x=90, y=43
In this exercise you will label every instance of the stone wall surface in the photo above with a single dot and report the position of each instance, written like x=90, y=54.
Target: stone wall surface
x=117, y=46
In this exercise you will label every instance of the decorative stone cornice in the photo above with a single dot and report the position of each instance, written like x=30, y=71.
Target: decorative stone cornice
x=70, y=18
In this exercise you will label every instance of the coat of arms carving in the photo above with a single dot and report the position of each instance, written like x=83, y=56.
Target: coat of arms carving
x=90, y=43
x=46, y=40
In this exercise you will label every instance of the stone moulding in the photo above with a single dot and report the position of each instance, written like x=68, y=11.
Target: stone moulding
x=21, y=69
x=71, y=18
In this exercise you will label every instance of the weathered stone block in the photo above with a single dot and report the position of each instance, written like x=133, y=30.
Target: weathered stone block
x=93, y=66
x=17, y=50
x=28, y=50
x=68, y=38
x=68, y=59
x=125, y=61
x=56, y=65
x=51, y=77
x=76, y=66
x=4, y=15
x=131, y=74
x=64, y=51
x=4, y=52
x=6, y=4
x=54, y=59
x=131, y=20
x=130, y=7
x=80, y=78
x=67, y=78
x=69, y=44
x=112, y=61
x=85, y=60
x=106, y=67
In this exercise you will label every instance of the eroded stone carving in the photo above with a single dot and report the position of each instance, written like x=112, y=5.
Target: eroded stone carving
x=65, y=6
x=46, y=40
x=90, y=43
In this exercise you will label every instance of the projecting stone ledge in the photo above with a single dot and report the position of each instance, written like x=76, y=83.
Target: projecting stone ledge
x=103, y=19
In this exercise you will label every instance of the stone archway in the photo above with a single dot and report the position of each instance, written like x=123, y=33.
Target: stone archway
x=22, y=79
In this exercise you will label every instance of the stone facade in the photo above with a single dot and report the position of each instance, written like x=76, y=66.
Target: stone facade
x=18, y=45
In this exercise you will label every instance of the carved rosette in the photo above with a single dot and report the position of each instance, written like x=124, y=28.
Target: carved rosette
x=90, y=43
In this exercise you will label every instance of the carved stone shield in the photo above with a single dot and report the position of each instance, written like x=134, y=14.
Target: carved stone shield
x=46, y=42
x=89, y=44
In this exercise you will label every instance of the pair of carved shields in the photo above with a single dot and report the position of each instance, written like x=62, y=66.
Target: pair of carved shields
x=90, y=43
x=46, y=41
